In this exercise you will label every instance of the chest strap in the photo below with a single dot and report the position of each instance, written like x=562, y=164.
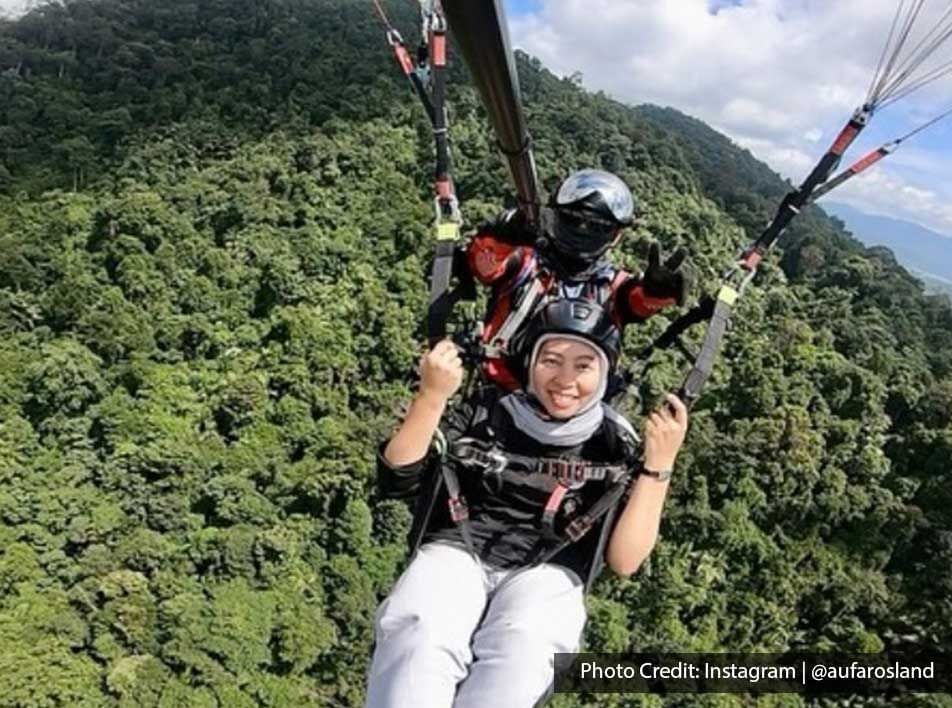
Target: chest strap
x=583, y=523
x=554, y=475
x=526, y=470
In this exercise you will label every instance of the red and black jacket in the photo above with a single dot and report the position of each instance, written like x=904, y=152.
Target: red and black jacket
x=510, y=266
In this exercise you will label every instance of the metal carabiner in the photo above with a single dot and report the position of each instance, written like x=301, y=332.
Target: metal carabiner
x=732, y=274
x=433, y=19
x=394, y=38
x=499, y=461
x=455, y=215
x=439, y=443
x=438, y=23
x=746, y=281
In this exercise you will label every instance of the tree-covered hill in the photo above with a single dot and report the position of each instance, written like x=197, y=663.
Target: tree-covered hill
x=214, y=231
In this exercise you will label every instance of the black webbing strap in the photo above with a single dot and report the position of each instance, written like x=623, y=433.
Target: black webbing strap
x=701, y=312
x=448, y=219
x=584, y=522
x=551, y=508
x=553, y=475
x=442, y=296
x=704, y=362
x=539, y=472
x=797, y=199
x=437, y=43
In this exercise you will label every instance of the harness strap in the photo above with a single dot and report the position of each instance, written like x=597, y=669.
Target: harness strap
x=487, y=458
x=704, y=362
x=448, y=218
x=583, y=523
x=499, y=345
x=556, y=476
x=552, y=508
x=459, y=510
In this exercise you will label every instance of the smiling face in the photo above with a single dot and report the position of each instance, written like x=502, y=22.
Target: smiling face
x=566, y=374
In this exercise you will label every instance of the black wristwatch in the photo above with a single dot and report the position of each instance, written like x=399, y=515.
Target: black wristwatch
x=658, y=475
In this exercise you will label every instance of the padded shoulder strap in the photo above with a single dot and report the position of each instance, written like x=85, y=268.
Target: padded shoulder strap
x=623, y=437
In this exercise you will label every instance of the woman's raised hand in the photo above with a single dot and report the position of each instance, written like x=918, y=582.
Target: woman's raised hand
x=665, y=429
x=441, y=371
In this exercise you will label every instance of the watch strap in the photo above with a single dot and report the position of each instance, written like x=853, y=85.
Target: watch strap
x=659, y=475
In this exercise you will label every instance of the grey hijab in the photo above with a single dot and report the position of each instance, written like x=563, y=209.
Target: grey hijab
x=530, y=416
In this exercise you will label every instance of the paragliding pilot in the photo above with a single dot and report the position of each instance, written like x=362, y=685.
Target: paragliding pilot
x=565, y=256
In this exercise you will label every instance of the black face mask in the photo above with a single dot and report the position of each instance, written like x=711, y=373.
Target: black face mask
x=577, y=235
x=576, y=241
x=568, y=267
x=582, y=235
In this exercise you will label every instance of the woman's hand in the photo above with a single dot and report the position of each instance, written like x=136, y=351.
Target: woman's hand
x=441, y=372
x=636, y=532
x=665, y=429
x=441, y=375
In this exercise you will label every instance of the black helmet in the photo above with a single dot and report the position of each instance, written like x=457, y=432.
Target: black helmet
x=587, y=210
x=580, y=318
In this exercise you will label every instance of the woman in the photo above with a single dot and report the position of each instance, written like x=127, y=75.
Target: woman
x=530, y=483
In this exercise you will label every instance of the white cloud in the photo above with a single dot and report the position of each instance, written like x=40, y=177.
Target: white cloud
x=11, y=8
x=780, y=77
x=907, y=201
x=784, y=159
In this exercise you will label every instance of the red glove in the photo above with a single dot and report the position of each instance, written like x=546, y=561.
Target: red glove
x=496, y=247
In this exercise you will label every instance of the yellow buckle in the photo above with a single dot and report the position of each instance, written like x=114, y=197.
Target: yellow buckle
x=728, y=294
x=447, y=231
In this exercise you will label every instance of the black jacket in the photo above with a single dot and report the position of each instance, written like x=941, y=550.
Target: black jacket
x=481, y=416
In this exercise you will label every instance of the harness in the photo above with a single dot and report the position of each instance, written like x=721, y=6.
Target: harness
x=539, y=287
x=532, y=296
x=554, y=476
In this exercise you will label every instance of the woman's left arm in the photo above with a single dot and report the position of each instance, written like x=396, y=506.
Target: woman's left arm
x=636, y=532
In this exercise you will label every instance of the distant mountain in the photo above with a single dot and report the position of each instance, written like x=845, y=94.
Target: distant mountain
x=935, y=285
x=922, y=250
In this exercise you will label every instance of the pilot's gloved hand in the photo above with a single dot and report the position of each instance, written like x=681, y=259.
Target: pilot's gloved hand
x=512, y=227
x=662, y=285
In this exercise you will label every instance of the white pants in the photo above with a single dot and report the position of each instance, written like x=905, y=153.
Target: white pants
x=455, y=632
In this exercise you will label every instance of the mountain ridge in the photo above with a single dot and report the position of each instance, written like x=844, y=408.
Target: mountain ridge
x=919, y=248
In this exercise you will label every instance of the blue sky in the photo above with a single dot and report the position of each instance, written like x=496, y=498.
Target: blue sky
x=522, y=7
x=716, y=5
x=780, y=77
